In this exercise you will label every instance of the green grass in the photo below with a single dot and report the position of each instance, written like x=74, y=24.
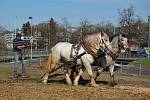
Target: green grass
x=6, y=70
x=144, y=61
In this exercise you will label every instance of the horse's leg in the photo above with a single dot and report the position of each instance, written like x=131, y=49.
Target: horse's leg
x=103, y=62
x=89, y=70
x=45, y=78
x=67, y=74
x=46, y=75
x=78, y=77
x=47, y=68
x=99, y=71
x=111, y=72
x=68, y=80
x=53, y=59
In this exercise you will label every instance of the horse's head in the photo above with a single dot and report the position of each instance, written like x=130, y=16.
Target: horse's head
x=106, y=40
x=104, y=45
x=123, y=42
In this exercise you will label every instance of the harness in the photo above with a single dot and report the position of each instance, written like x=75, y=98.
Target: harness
x=87, y=49
x=76, y=48
x=113, y=55
x=71, y=66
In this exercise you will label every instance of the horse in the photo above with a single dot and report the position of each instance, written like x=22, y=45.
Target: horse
x=119, y=44
x=64, y=51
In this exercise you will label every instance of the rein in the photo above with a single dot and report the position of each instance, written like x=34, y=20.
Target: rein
x=113, y=55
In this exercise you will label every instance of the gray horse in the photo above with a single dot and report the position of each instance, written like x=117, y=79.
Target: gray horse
x=106, y=61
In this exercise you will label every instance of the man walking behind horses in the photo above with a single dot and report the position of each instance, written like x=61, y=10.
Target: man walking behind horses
x=18, y=45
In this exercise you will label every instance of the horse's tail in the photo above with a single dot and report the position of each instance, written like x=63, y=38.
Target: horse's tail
x=46, y=67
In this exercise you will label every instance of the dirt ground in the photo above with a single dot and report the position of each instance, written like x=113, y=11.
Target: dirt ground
x=129, y=88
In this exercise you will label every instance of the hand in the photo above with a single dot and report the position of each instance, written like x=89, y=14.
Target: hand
x=20, y=47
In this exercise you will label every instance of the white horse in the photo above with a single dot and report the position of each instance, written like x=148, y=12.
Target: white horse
x=64, y=51
x=119, y=45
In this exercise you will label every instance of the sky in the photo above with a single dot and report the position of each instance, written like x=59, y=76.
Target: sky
x=42, y=10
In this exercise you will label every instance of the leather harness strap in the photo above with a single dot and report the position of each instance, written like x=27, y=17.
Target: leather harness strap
x=113, y=55
x=76, y=56
x=87, y=49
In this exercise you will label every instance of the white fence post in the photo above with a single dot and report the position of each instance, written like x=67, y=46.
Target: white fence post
x=140, y=70
x=121, y=66
x=40, y=58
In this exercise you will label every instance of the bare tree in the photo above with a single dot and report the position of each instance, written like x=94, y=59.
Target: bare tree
x=66, y=25
x=85, y=26
x=2, y=30
x=133, y=26
x=3, y=45
x=141, y=29
x=126, y=20
x=52, y=30
x=105, y=27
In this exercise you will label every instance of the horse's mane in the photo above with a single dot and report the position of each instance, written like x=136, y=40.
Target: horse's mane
x=111, y=38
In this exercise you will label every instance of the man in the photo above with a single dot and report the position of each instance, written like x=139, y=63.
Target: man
x=18, y=45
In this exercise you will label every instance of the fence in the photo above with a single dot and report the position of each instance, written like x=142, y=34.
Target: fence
x=39, y=56
x=136, y=68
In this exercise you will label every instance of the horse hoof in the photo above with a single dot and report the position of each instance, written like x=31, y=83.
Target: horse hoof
x=113, y=84
x=94, y=85
x=75, y=84
x=69, y=83
x=44, y=82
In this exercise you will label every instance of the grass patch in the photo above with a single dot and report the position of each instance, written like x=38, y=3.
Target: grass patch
x=6, y=70
x=144, y=61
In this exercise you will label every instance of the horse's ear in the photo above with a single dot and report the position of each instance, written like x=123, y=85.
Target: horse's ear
x=120, y=34
x=124, y=35
x=102, y=33
x=111, y=37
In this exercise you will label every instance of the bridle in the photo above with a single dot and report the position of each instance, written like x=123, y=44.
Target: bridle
x=104, y=49
x=110, y=52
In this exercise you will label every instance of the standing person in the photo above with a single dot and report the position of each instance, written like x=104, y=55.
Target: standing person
x=18, y=45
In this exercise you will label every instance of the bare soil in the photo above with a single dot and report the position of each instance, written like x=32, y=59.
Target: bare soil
x=128, y=87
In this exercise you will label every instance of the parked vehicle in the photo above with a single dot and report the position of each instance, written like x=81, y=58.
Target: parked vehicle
x=135, y=53
x=141, y=52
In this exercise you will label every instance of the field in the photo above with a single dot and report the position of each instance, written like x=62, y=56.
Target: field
x=129, y=87
x=144, y=61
